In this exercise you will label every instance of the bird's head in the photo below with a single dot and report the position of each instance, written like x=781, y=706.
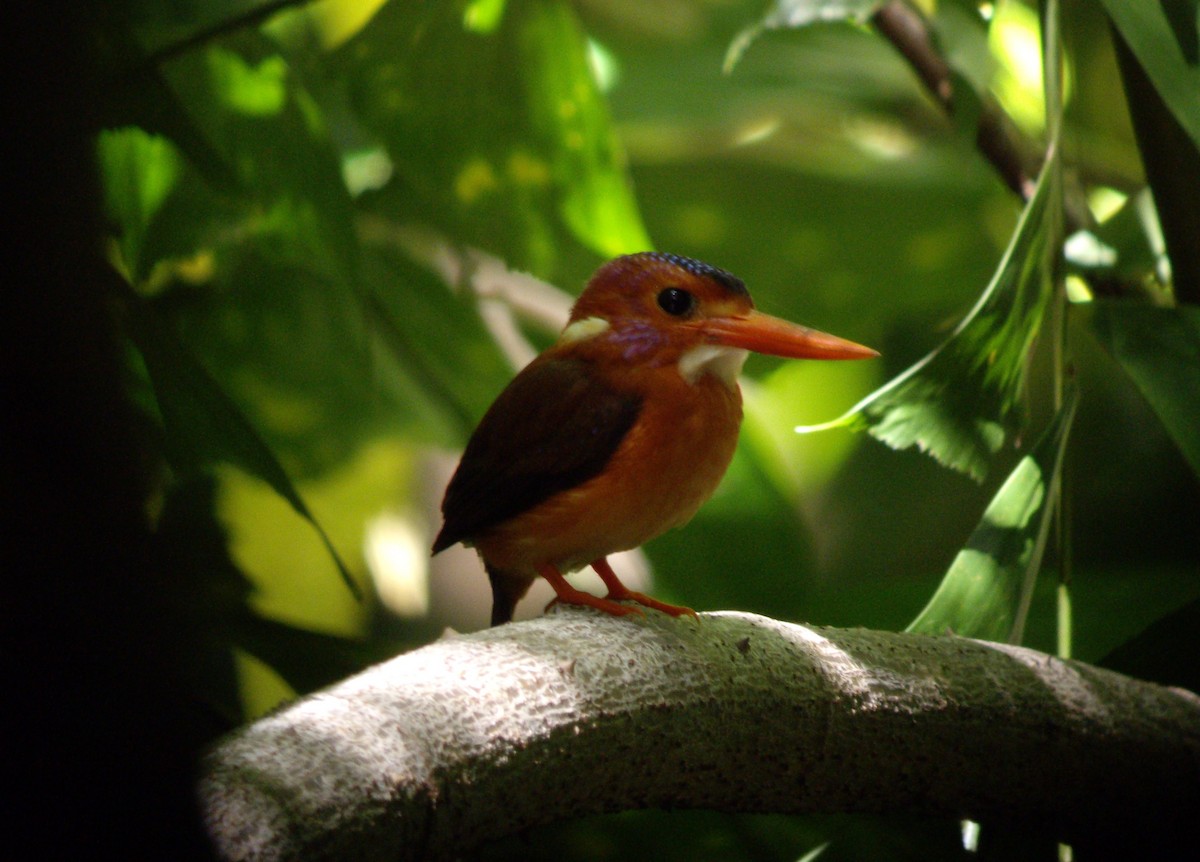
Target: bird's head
x=662, y=309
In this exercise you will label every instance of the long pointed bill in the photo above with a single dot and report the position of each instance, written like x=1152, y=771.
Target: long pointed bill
x=763, y=333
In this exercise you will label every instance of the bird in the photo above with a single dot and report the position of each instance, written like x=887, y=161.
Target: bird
x=618, y=431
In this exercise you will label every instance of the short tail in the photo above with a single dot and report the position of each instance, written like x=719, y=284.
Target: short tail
x=507, y=590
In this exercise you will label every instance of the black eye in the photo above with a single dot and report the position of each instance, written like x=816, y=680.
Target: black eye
x=676, y=301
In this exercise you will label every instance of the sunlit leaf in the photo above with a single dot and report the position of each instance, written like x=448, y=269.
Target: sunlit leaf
x=194, y=543
x=253, y=89
x=139, y=94
x=482, y=16
x=986, y=592
x=202, y=424
x=139, y=170
x=798, y=13
x=1165, y=37
x=277, y=312
x=168, y=224
x=261, y=119
x=239, y=104
x=1016, y=41
x=334, y=21
x=572, y=120
x=959, y=401
x=516, y=153
x=1160, y=349
x=1123, y=247
x=801, y=464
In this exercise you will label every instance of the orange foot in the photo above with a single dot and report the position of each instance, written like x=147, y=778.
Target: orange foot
x=618, y=592
x=568, y=595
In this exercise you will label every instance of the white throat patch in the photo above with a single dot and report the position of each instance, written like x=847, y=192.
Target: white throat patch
x=724, y=363
x=581, y=329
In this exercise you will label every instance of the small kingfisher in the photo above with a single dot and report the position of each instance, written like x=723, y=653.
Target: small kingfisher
x=617, y=432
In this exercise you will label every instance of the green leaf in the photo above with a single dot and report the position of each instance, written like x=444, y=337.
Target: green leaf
x=202, y=424
x=791, y=14
x=1159, y=348
x=1171, y=158
x=516, y=153
x=1164, y=38
x=266, y=283
x=291, y=201
x=1052, y=68
x=139, y=171
x=569, y=116
x=168, y=220
x=962, y=39
x=958, y=401
x=443, y=351
x=290, y=156
x=985, y=594
x=137, y=93
x=291, y=346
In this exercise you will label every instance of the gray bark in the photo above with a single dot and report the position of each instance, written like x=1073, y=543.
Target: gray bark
x=481, y=736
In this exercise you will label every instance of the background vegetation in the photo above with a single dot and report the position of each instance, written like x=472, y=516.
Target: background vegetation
x=329, y=232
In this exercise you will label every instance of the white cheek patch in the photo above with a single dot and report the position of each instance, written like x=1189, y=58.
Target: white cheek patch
x=581, y=329
x=724, y=363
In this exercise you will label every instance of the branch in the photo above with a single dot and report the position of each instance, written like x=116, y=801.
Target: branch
x=1010, y=153
x=997, y=138
x=480, y=736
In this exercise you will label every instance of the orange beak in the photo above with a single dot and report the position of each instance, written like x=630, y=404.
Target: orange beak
x=763, y=333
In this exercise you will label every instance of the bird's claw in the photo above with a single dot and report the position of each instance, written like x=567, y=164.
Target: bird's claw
x=651, y=602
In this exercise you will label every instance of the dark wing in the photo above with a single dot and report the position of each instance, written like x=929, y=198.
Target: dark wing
x=554, y=427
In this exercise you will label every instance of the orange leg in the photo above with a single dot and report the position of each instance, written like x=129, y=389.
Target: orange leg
x=568, y=595
x=618, y=592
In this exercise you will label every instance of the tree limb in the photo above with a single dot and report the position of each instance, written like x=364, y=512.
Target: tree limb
x=480, y=736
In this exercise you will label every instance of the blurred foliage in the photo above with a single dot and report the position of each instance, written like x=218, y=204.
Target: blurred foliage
x=339, y=221
x=1160, y=350
x=957, y=402
x=987, y=591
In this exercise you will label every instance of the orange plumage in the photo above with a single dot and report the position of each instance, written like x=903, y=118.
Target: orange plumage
x=619, y=431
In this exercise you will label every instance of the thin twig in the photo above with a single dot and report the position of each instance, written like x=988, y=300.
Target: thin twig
x=996, y=137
